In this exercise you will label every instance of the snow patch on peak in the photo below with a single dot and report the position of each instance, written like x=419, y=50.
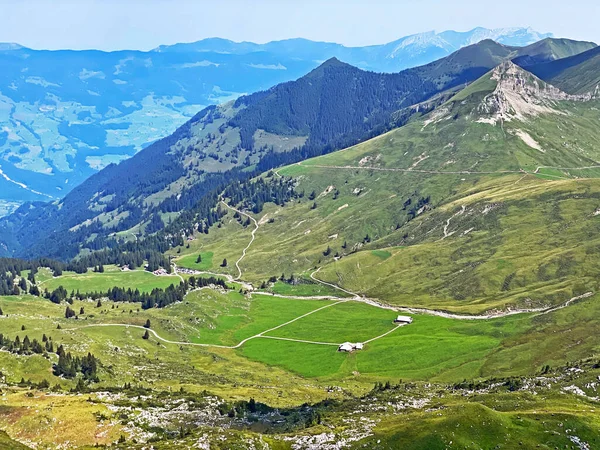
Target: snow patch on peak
x=419, y=43
x=481, y=34
x=450, y=41
x=508, y=36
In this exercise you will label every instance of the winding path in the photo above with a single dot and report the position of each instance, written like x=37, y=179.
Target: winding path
x=459, y=213
x=256, y=336
x=458, y=172
x=409, y=170
x=354, y=296
x=358, y=298
x=237, y=263
x=449, y=315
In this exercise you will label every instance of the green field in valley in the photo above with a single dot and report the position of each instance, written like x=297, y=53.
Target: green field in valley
x=112, y=277
x=231, y=318
x=348, y=321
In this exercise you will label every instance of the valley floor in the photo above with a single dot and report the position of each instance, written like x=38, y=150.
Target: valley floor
x=190, y=381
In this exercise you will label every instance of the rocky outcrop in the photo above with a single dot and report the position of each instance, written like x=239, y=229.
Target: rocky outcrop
x=520, y=94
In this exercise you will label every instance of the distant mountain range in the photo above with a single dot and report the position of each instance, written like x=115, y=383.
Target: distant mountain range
x=334, y=106
x=406, y=52
x=64, y=115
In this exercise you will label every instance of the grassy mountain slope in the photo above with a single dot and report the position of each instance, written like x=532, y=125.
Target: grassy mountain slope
x=552, y=49
x=577, y=74
x=484, y=150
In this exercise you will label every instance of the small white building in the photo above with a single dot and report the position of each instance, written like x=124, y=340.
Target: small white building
x=345, y=347
x=403, y=319
x=350, y=347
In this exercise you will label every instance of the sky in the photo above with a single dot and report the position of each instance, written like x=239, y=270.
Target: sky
x=145, y=24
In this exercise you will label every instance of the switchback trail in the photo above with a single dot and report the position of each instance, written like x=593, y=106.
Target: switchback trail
x=237, y=263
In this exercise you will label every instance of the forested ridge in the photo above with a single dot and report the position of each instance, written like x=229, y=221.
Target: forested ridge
x=334, y=106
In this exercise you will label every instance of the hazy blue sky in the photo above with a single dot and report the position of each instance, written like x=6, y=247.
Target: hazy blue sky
x=144, y=24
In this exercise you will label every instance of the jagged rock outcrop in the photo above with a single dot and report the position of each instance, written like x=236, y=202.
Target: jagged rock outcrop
x=520, y=94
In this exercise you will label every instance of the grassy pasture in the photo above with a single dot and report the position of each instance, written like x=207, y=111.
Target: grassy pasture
x=349, y=321
x=189, y=261
x=112, y=277
x=229, y=319
x=434, y=348
x=429, y=348
x=126, y=357
x=305, y=289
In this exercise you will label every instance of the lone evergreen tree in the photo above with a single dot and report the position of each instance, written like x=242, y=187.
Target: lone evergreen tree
x=69, y=313
x=147, y=324
x=146, y=335
x=199, y=259
x=224, y=263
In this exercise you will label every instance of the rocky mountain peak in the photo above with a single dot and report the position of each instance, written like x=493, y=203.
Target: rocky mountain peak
x=520, y=94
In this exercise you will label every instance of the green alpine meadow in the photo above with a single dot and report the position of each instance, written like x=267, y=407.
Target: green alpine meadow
x=299, y=244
